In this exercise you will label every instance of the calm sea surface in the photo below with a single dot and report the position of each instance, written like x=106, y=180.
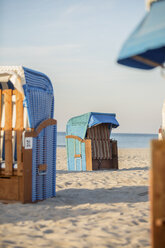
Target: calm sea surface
x=125, y=140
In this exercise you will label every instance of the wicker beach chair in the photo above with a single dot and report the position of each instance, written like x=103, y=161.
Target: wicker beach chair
x=89, y=146
x=28, y=135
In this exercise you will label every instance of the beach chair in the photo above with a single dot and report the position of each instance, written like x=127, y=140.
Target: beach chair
x=89, y=146
x=28, y=135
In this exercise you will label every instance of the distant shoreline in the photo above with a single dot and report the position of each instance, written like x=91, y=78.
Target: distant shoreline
x=115, y=133
x=124, y=140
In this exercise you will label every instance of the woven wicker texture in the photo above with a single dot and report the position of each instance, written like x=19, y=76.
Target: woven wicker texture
x=44, y=152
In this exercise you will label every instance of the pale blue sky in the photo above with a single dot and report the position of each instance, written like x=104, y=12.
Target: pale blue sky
x=76, y=43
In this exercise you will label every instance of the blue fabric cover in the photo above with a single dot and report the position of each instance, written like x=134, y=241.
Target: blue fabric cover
x=148, y=39
x=6, y=85
x=98, y=118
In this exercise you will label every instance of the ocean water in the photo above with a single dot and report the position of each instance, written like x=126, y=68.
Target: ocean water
x=124, y=140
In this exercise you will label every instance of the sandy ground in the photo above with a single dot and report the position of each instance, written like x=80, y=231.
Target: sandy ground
x=92, y=209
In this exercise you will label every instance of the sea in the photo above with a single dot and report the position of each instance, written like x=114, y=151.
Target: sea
x=124, y=140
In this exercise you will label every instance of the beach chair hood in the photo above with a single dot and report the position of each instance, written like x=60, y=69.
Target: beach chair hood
x=78, y=125
x=36, y=88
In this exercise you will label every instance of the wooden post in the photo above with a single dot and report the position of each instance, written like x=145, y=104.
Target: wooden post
x=0, y=125
x=19, y=130
x=19, y=110
x=8, y=132
x=157, y=194
x=0, y=106
x=27, y=175
x=114, y=154
x=88, y=153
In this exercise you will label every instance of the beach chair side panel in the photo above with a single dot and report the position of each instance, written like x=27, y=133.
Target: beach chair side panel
x=43, y=156
x=76, y=157
x=70, y=154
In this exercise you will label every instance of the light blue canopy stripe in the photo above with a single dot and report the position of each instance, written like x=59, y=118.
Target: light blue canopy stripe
x=78, y=125
x=147, y=41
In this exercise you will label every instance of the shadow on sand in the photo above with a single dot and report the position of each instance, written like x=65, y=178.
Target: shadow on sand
x=65, y=204
x=135, y=168
x=108, y=171
x=73, y=196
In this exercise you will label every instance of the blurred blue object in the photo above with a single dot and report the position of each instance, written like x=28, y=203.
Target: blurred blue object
x=145, y=47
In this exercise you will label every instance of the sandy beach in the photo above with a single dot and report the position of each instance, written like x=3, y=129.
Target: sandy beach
x=91, y=209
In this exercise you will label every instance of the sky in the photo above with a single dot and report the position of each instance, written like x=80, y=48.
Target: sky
x=76, y=44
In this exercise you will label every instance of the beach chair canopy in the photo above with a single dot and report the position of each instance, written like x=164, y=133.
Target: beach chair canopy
x=145, y=47
x=36, y=89
x=78, y=125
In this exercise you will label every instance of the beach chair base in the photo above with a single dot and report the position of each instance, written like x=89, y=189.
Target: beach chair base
x=18, y=186
x=104, y=164
x=11, y=188
x=93, y=157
